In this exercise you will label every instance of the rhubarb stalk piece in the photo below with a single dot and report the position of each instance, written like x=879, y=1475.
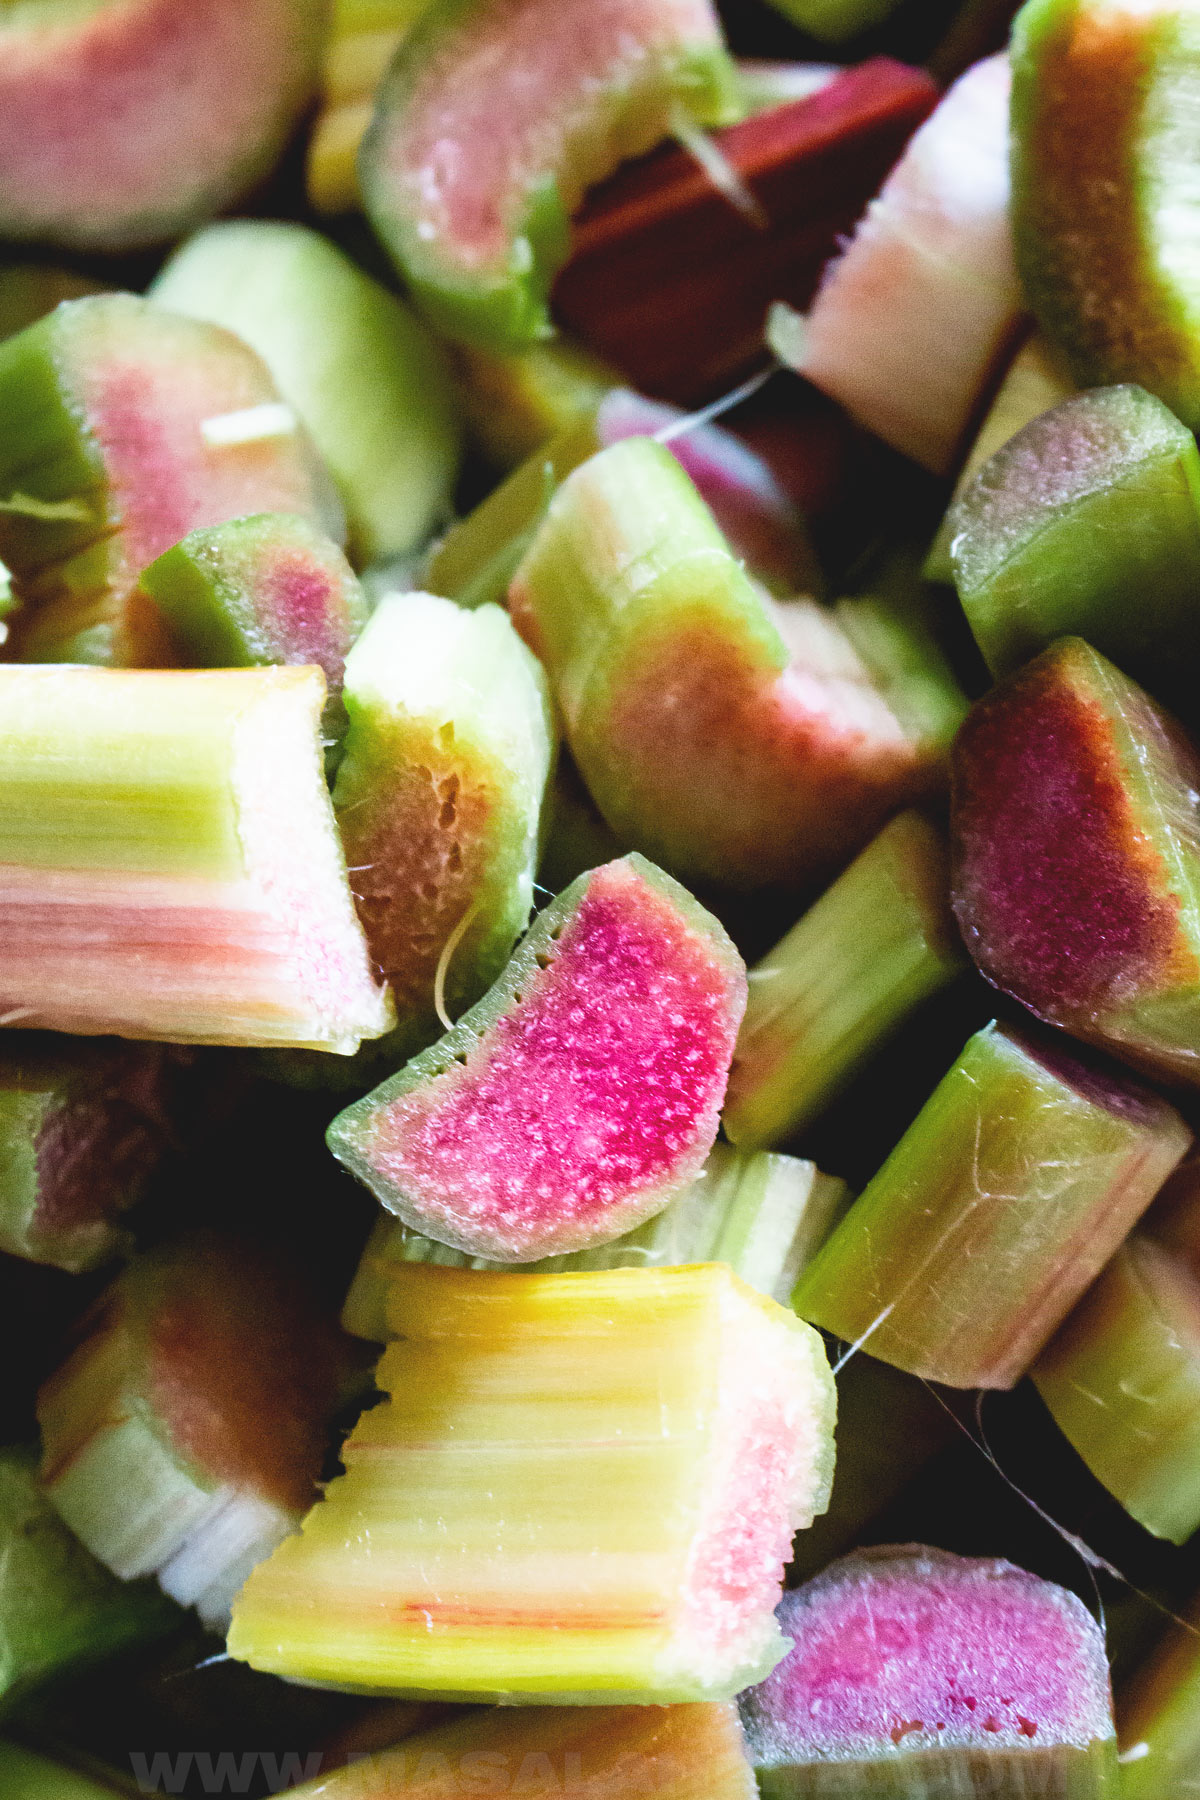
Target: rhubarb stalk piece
x=365, y=376
x=877, y=944
x=729, y=739
x=1077, y=857
x=835, y=20
x=1122, y=1379
x=438, y=799
x=1103, y=207
x=28, y=1775
x=918, y=1673
x=62, y=1611
x=1088, y=523
x=594, y=1753
x=911, y=319
x=183, y=1436
x=215, y=90
x=122, y=428
x=358, y=50
x=1000, y=1205
x=671, y=283
x=171, y=864
x=1159, y=1718
x=580, y=1488
x=82, y=1129
x=763, y=1215
x=616, y=1018
x=515, y=402
x=493, y=119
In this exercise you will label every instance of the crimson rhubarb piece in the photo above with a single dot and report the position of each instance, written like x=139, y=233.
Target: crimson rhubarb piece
x=917, y=1673
x=82, y=1129
x=170, y=861
x=1104, y=207
x=1088, y=522
x=727, y=738
x=911, y=319
x=1000, y=1205
x=616, y=1020
x=672, y=284
x=579, y=1488
x=184, y=1434
x=122, y=428
x=493, y=119
x=214, y=88
x=1077, y=856
x=439, y=800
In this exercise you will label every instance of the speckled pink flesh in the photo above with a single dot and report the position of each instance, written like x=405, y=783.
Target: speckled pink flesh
x=144, y=111
x=302, y=607
x=523, y=82
x=918, y=1649
x=602, y=1087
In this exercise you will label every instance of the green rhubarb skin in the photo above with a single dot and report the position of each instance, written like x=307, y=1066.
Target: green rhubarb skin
x=363, y=373
x=1122, y=1379
x=26, y=1775
x=1105, y=206
x=835, y=20
x=463, y=95
x=447, y=755
x=998, y=1207
x=1158, y=1718
x=1088, y=523
x=580, y=1489
x=877, y=944
x=60, y=1611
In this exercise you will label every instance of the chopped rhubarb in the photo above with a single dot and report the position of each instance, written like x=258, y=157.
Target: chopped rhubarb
x=184, y=1435
x=919, y=1673
x=616, y=1019
x=1077, y=856
x=1000, y=1205
x=912, y=318
x=1159, y=1717
x=515, y=401
x=672, y=284
x=494, y=118
x=108, y=456
x=580, y=1487
x=170, y=864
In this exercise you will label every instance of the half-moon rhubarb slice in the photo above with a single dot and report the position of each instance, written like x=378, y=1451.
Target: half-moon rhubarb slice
x=169, y=861
x=122, y=428
x=918, y=1673
x=494, y=118
x=580, y=1095
x=123, y=122
x=579, y=1488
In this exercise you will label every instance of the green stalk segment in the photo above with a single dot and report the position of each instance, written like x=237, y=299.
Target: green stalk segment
x=27, y=1775
x=515, y=403
x=879, y=942
x=1158, y=1716
x=1000, y=1205
x=580, y=1489
x=1122, y=1378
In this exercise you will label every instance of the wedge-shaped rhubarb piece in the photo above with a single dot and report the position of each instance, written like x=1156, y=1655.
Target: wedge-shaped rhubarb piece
x=616, y=1020
x=1103, y=207
x=594, y=1753
x=1158, y=1715
x=82, y=1129
x=266, y=589
x=580, y=1487
x=363, y=373
x=1122, y=1378
x=1077, y=856
x=879, y=942
x=215, y=90
x=918, y=1673
x=122, y=428
x=515, y=401
x=728, y=739
x=62, y=1612
x=494, y=118
x=170, y=862
x=672, y=284
x=438, y=799
x=999, y=1206
x=184, y=1434
x=911, y=319
x=766, y=1216
x=1088, y=522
